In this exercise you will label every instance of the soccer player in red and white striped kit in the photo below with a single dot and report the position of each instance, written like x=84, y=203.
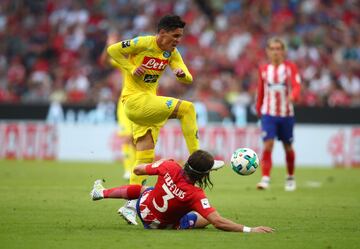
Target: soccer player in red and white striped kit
x=278, y=88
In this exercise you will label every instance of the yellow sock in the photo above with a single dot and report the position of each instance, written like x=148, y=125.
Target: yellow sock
x=142, y=156
x=129, y=156
x=187, y=116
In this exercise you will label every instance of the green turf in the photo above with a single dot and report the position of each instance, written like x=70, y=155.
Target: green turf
x=47, y=205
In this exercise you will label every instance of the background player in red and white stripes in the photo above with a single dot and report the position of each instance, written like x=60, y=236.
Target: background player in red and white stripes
x=278, y=88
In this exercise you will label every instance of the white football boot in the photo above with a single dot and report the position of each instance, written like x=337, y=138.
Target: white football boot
x=128, y=212
x=290, y=183
x=264, y=183
x=218, y=164
x=126, y=175
x=97, y=191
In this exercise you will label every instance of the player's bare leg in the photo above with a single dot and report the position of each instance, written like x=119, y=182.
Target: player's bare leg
x=201, y=222
x=290, y=183
x=266, y=164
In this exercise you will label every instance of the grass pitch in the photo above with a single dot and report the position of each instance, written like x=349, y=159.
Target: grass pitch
x=47, y=205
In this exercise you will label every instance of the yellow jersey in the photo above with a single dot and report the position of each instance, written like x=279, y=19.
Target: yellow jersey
x=143, y=50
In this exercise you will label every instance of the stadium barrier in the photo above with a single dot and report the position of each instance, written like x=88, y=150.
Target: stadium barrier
x=316, y=145
x=106, y=112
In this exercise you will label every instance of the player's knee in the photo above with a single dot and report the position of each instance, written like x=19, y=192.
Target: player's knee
x=268, y=145
x=186, y=108
x=190, y=106
x=145, y=142
x=288, y=146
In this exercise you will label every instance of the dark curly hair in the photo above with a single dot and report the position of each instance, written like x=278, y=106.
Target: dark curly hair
x=198, y=167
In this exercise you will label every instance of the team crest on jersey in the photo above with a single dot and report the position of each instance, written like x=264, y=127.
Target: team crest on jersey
x=169, y=103
x=154, y=63
x=125, y=44
x=167, y=54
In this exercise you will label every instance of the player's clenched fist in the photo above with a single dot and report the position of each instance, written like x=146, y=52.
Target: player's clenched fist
x=179, y=73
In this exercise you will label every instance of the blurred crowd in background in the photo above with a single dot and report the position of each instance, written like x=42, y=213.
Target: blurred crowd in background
x=50, y=50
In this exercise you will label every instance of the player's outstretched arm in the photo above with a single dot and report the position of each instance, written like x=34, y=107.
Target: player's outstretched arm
x=119, y=53
x=262, y=229
x=142, y=169
x=105, y=59
x=227, y=225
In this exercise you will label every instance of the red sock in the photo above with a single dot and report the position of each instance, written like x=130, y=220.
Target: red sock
x=266, y=163
x=290, y=162
x=124, y=192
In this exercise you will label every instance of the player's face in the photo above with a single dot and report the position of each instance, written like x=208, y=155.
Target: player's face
x=170, y=39
x=276, y=53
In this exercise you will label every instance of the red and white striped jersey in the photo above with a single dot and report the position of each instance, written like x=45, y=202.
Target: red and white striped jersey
x=275, y=85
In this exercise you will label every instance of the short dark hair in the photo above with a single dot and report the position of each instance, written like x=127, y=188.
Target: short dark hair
x=170, y=22
x=198, y=168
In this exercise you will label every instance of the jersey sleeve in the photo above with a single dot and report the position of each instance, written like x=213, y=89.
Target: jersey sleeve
x=114, y=64
x=154, y=168
x=159, y=167
x=260, y=92
x=295, y=82
x=120, y=51
x=202, y=205
x=177, y=62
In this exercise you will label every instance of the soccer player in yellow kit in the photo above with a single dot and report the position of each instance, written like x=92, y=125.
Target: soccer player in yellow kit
x=143, y=60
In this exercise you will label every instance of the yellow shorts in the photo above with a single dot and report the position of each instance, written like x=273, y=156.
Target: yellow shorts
x=125, y=125
x=148, y=112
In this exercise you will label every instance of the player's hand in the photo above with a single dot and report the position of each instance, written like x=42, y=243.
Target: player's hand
x=179, y=73
x=139, y=71
x=262, y=229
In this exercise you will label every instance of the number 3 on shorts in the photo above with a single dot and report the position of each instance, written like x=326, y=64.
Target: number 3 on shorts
x=166, y=198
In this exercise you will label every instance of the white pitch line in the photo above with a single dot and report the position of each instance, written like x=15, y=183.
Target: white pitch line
x=313, y=184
